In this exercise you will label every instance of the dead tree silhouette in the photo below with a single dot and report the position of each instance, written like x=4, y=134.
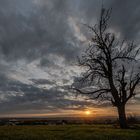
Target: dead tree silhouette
x=111, y=67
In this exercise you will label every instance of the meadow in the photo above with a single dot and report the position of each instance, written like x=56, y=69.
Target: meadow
x=67, y=132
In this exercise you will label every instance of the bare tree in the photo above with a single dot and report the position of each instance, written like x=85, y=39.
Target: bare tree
x=111, y=67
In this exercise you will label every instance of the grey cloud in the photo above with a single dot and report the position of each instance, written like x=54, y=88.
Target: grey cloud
x=42, y=81
x=19, y=97
x=32, y=30
x=126, y=19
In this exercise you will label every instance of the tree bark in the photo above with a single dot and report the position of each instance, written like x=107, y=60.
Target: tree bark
x=122, y=117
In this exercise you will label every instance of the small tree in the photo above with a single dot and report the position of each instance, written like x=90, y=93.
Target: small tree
x=111, y=67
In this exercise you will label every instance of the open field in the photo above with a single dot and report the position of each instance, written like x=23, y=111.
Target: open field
x=67, y=132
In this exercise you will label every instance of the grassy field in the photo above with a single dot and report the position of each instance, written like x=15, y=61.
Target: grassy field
x=67, y=132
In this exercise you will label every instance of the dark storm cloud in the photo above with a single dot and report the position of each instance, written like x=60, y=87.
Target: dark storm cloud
x=42, y=81
x=16, y=96
x=30, y=30
x=33, y=29
x=126, y=18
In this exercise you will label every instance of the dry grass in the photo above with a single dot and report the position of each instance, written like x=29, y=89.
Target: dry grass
x=67, y=132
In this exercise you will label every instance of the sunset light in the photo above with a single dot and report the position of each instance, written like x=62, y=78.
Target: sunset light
x=87, y=112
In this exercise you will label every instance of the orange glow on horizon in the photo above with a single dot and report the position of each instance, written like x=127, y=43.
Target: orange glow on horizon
x=91, y=112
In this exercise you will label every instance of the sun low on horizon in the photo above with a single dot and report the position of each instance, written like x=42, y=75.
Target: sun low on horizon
x=88, y=112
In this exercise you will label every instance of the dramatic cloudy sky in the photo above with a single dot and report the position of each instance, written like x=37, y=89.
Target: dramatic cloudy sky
x=39, y=44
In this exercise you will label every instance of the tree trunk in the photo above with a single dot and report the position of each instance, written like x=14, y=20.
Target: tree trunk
x=122, y=117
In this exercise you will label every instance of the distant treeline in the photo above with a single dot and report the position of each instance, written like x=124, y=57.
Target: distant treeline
x=57, y=121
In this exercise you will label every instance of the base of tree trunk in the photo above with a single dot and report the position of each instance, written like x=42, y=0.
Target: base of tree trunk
x=122, y=117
